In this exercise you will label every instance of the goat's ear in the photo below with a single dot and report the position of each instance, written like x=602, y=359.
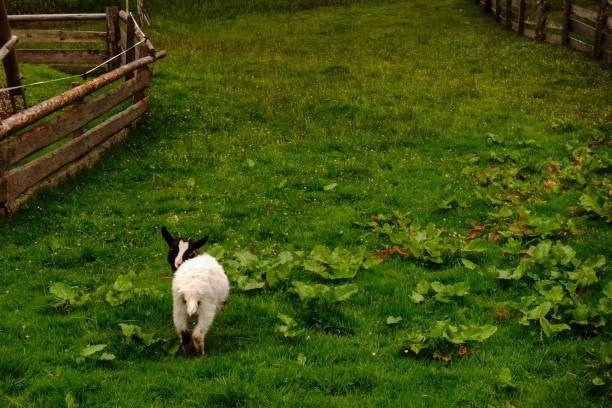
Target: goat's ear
x=198, y=244
x=167, y=235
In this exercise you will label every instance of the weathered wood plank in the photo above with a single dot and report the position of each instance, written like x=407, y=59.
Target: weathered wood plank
x=581, y=28
x=608, y=41
x=56, y=17
x=584, y=13
x=8, y=46
x=529, y=33
x=552, y=38
x=553, y=25
x=61, y=56
x=86, y=161
x=62, y=36
x=580, y=45
x=78, y=69
x=77, y=132
x=28, y=116
x=21, y=178
x=56, y=128
x=3, y=187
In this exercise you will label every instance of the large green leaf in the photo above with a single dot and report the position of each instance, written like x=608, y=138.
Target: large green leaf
x=91, y=350
x=63, y=291
x=124, y=282
x=246, y=283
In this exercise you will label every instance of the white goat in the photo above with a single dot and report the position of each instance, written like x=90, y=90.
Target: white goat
x=200, y=287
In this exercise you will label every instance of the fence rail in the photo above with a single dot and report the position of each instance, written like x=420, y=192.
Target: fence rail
x=45, y=143
x=578, y=27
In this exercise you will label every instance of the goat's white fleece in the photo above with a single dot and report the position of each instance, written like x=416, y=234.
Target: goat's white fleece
x=200, y=279
x=199, y=287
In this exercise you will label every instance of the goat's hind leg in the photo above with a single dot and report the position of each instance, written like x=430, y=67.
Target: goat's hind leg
x=181, y=324
x=205, y=319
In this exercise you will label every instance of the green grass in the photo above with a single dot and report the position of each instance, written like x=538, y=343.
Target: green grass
x=250, y=118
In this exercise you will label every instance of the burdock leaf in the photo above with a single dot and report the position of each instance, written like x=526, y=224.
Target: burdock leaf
x=393, y=319
x=123, y=283
x=343, y=292
x=505, y=378
x=330, y=187
x=468, y=264
x=90, y=350
x=416, y=297
x=63, y=291
x=106, y=357
x=476, y=245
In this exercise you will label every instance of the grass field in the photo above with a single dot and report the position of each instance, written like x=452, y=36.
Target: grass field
x=281, y=131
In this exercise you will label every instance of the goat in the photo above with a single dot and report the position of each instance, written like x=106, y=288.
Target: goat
x=199, y=286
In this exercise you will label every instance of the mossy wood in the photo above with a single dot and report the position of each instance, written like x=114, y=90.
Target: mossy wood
x=592, y=27
x=21, y=174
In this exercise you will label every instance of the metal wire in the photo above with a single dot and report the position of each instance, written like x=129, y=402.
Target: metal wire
x=83, y=75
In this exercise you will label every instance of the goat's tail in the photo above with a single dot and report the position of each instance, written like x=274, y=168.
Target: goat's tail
x=192, y=303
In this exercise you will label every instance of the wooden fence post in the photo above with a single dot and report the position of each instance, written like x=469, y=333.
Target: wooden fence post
x=4, y=185
x=509, y=14
x=113, y=36
x=497, y=11
x=129, y=43
x=599, y=26
x=78, y=132
x=567, y=11
x=143, y=51
x=521, y=17
x=540, y=21
x=11, y=69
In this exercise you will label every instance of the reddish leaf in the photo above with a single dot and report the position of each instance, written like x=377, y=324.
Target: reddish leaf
x=502, y=313
x=462, y=350
x=549, y=183
x=443, y=354
x=515, y=193
x=551, y=168
x=475, y=230
x=494, y=236
x=394, y=250
x=528, y=252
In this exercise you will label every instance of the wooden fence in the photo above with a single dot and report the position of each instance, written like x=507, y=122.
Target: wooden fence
x=68, y=146
x=578, y=27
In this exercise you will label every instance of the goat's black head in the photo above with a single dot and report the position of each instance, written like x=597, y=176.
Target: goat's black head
x=181, y=249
